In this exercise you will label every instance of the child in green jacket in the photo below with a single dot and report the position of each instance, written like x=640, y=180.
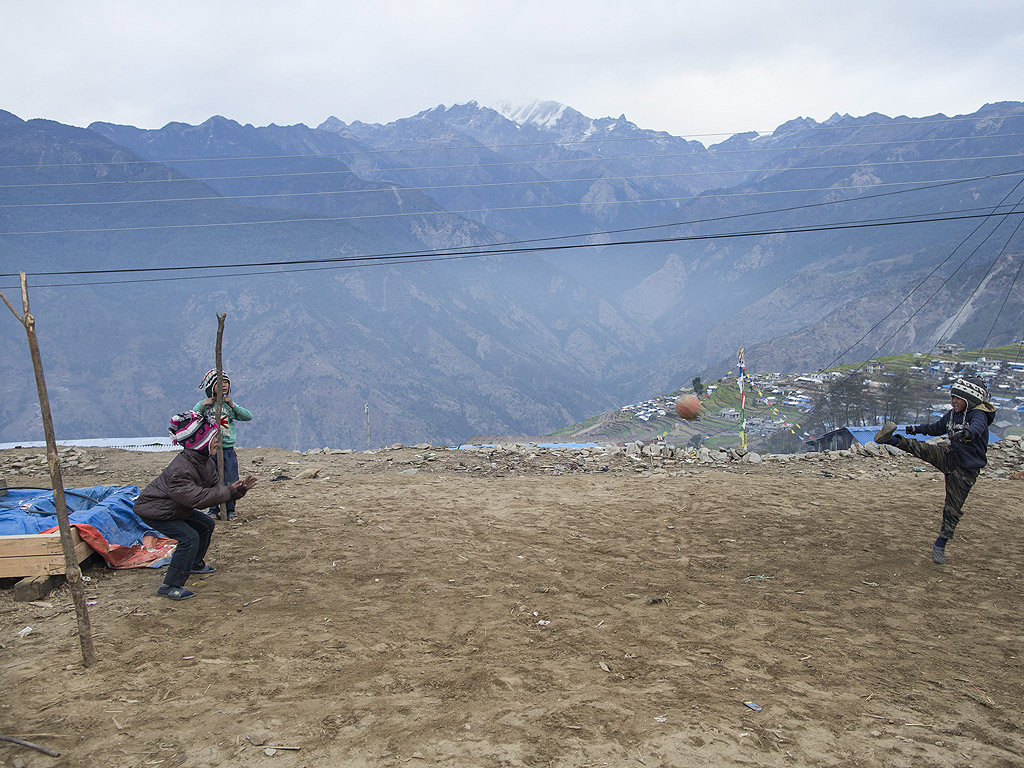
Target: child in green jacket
x=230, y=413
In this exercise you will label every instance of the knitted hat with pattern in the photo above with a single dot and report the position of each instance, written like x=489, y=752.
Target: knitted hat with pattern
x=210, y=379
x=191, y=430
x=970, y=391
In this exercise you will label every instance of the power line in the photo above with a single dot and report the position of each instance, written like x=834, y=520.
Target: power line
x=406, y=258
x=221, y=275
x=349, y=172
x=908, y=375
x=927, y=277
x=1009, y=290
x=950, y=277
x=906, y=379
x=442, y=212
x=504, y=249
x=589, y=158
x=392, y=189
x=692, y=222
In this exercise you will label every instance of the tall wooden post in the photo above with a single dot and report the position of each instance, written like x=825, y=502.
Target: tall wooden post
x=72, y=571
x=219, y=394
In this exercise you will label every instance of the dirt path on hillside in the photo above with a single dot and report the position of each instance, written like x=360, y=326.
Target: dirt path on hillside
x=367, y=617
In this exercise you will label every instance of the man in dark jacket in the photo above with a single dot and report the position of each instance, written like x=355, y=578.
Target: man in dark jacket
x=171, y=503
x=966, y=425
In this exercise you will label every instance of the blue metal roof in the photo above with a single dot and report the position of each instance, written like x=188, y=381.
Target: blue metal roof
x=148, y=444
x=867, y=434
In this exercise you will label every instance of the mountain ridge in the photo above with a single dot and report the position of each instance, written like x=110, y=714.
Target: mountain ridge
x=518, y=342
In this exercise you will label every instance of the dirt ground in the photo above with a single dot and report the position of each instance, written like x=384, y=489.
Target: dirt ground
x=446, y=608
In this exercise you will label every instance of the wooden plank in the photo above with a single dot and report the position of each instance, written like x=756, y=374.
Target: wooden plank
x=32, y=544
x=38, y=554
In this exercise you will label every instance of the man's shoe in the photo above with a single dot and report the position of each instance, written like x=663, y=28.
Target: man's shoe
x=884, y=435
x=939, y=552
x=175, y=593
x=203, y=568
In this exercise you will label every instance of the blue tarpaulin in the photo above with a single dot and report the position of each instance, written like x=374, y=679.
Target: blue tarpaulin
x=103, y=514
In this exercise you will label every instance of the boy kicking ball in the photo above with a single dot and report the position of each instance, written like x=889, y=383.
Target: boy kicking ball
x=966, y=425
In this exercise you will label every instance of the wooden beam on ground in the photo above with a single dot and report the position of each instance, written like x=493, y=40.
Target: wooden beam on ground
x=29, y=589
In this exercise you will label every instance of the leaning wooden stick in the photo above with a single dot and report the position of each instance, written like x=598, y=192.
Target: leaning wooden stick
x=219, y=392
x=30, y=745
x=72, y=571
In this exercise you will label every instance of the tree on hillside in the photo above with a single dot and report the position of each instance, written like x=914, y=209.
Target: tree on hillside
x=698, y=386
x=843, y=403
x=905, y=399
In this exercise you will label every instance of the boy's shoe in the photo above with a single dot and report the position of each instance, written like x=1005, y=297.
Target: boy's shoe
x=232, y=517
x=884, y=435
x=209, y=514
x=938, y=554
x=203, y=568
x=175, y=593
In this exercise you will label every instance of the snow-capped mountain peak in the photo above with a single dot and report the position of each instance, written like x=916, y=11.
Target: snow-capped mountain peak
x=543, y=114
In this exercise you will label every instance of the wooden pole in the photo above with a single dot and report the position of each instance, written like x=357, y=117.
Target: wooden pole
x=30, y=745
x=72, y=571
x=219, y=394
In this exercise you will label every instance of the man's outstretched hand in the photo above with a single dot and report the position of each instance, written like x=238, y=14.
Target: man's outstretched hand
x=244, y=485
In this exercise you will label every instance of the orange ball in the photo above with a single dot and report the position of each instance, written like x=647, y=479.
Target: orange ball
x=688, y=407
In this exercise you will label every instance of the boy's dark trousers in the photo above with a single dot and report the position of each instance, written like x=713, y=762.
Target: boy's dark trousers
x=230, y=475
x=193, y=535
x=959, y=481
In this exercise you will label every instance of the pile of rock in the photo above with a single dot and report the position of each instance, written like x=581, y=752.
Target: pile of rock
x=1006, y=458
x=33, y=462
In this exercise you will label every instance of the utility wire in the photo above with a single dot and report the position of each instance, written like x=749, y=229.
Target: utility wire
x=949, y=278
x=1013, y=283
x=375, y=171
x=925, y=279
x=392, y=189
x=503, y=209
x=504, y=249
x=907, y=376
x=589, y=158
x=574, y=246
x=691, y=222
x=995, y=211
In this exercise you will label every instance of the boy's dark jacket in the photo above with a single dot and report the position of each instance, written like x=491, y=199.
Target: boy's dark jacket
x=189, y=482
x=970, y=452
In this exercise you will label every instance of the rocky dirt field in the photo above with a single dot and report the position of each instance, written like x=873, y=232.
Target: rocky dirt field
x=523, y=607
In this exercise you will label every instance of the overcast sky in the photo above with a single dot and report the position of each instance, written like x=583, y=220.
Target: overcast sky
x=679, y=66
